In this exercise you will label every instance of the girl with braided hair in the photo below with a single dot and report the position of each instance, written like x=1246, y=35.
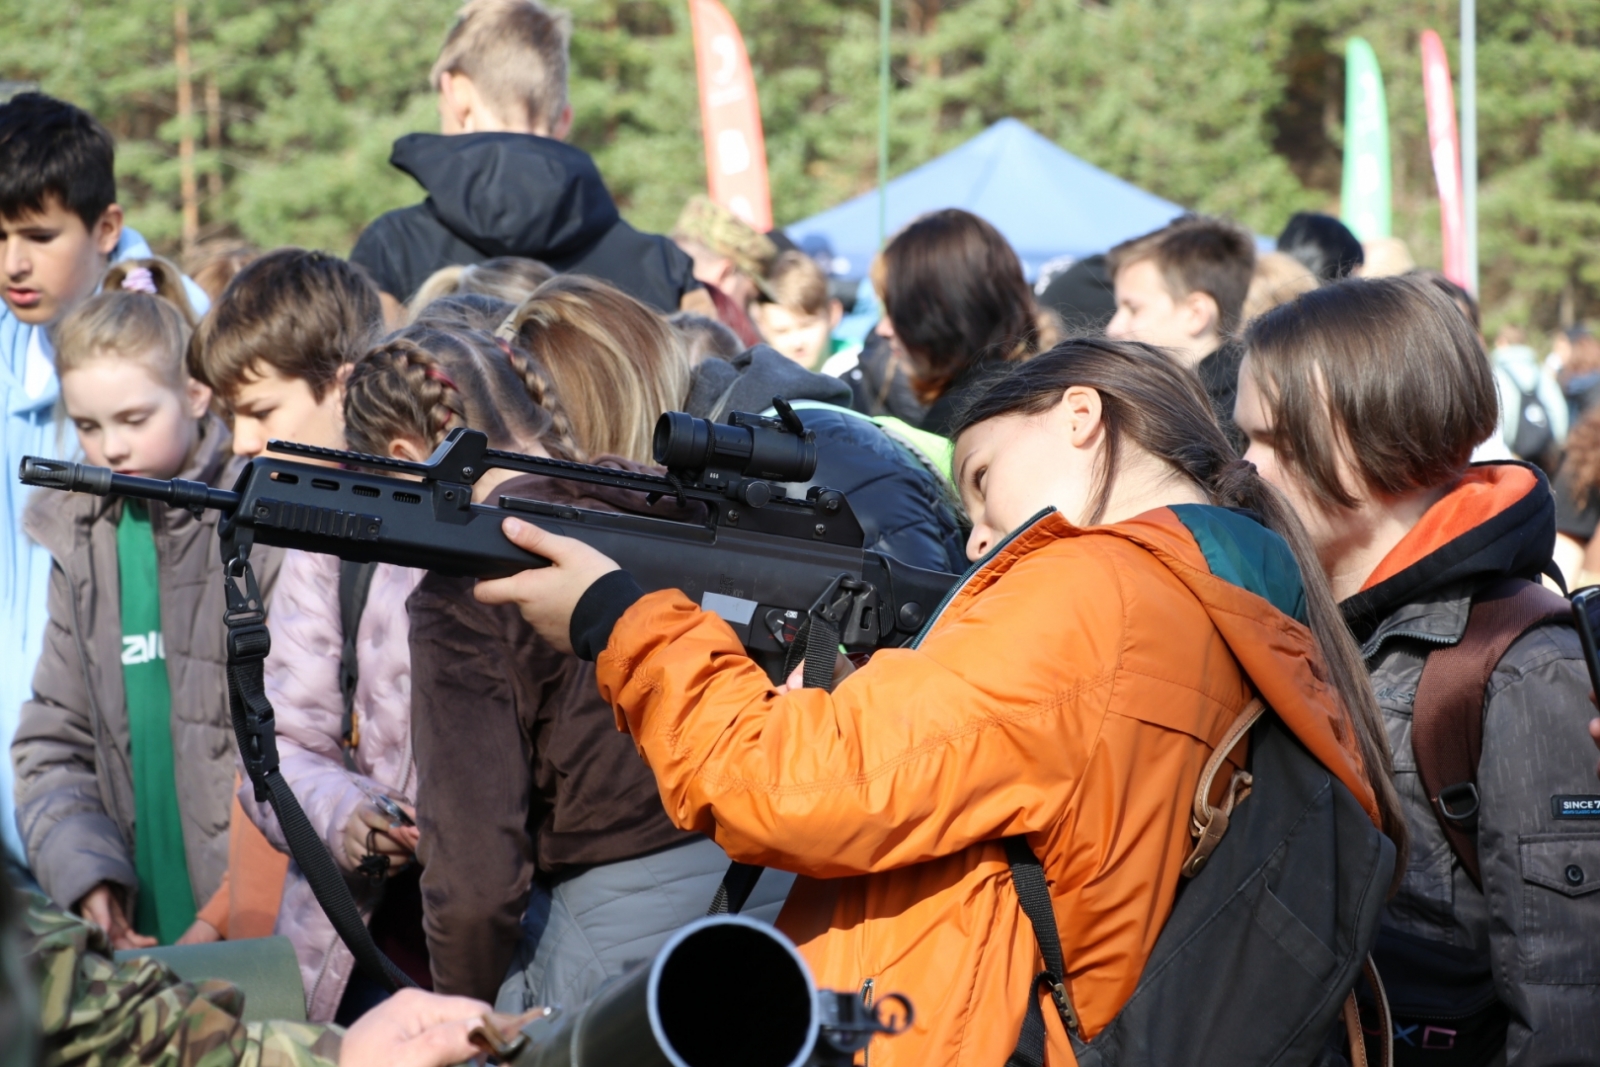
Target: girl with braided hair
x=547, y=861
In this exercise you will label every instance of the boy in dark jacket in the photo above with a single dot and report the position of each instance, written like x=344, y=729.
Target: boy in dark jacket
x=500, y=182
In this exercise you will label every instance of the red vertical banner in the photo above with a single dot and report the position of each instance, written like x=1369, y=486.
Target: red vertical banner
x=730, y=114
x=1445, y=148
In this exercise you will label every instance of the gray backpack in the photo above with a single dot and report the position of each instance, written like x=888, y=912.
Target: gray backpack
x=1266, y=940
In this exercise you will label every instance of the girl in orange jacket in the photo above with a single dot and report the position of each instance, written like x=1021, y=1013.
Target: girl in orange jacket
x=1117, y=620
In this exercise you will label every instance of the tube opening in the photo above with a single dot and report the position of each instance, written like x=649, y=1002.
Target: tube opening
x=733, y=995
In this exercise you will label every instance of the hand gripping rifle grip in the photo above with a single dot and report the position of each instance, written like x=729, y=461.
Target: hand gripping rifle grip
x=61, y=474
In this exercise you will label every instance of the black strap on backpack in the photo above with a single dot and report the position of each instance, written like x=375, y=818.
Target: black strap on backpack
x=255, y=730
x=355, y=582
x=1027, y=876
x=1447, y=714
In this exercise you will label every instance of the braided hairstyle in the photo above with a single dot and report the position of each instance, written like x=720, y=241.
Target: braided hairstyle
x=425, y=380
x=1149, y=401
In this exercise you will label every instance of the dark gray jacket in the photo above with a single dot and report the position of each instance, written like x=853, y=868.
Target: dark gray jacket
x=74, y=776
x=1534, y=928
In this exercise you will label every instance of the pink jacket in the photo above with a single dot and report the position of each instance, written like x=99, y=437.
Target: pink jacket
x=302, y=680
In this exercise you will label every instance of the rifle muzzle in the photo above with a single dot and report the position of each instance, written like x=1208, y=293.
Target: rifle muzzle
x=723, y=992
x=60, y=474
x=103, y=481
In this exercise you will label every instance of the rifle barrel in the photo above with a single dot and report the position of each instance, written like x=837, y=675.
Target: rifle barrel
x=102, y=481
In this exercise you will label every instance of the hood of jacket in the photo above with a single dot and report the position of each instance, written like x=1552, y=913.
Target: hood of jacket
x=59, y=521
x=1499, y=521
x=511, y=194
x=750, y=380
x=1249, y=584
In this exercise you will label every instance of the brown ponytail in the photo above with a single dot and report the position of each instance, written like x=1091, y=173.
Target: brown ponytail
x=424, y=381
x=1149, y=400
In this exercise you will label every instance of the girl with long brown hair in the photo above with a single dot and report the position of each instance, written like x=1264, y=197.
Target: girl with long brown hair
x=1136, y=589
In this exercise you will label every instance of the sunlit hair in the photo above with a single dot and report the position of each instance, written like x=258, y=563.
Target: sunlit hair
x=1149, y=402
x=1278, y=279
x=1390, y=362
x=152, y=272
x=123, y=324
x=515, y=52
x=509, y=278
x=421, y=382
x=797, y=283
x=1196, y=253
x=303, y=314
x=953, y=289
x=616, y=364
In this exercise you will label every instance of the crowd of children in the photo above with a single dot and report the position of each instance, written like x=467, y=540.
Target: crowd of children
x=1245, y=489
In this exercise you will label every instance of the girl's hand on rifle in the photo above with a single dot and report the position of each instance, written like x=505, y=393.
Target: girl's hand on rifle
x=547, y=596
x=370, y=832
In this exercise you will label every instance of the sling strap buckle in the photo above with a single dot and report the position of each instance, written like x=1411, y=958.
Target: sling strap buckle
x=1459, y=803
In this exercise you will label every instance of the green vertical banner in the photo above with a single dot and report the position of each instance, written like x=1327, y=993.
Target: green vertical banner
x=1364, y=197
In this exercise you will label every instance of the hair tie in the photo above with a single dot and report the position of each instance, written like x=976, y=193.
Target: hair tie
x=140, y=280
x=505, y=346
x=1235, y=467
x=434, y=374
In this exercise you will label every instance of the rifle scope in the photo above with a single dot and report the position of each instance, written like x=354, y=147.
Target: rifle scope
x=723, y=992
x=748, y=445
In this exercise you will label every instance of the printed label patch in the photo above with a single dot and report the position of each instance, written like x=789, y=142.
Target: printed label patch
x=142, y=648
x=1575, y=807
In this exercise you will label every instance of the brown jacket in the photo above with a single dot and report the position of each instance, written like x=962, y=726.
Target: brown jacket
x=74, y=775
x=520, y=767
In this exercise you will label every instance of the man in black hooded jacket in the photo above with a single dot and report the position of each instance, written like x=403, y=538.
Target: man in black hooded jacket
x=500, y=180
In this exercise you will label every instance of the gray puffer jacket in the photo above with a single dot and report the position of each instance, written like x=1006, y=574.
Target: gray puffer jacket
x=1531, y=936
x=74, y=775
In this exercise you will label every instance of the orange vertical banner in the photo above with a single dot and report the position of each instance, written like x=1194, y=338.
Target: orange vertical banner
x=730, y=114
x=1445, y=147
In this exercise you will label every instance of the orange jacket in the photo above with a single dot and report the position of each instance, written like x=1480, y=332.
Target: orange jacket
x=1070, y=691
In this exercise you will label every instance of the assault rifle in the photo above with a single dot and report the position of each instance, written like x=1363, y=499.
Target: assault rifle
x=763, y=560
x=789, y=574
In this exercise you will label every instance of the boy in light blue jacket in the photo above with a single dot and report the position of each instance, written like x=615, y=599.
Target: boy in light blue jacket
x=60, y=227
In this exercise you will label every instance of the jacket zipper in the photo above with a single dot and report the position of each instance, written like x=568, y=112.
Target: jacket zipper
x=866, y=1002
x=1409, y=635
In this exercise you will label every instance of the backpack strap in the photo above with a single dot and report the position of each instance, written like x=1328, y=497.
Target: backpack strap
x=1352, y=1021
x=1027, y=876
x=1447, y=716
x=355, y=582
x=1207, y=825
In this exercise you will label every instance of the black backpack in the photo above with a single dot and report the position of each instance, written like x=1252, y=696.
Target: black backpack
x=1264, y=943
x=1534, y=435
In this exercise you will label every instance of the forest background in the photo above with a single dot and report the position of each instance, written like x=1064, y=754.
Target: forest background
x=1226, y=106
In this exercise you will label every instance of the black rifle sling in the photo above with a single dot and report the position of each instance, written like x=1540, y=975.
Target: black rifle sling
x=1027, y=876
x=355, y=582
x=818, y=643
x=253, y=726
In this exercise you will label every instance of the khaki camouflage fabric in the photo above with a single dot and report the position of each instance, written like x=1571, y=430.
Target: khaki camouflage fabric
x=100, y=1013
x=726, y=234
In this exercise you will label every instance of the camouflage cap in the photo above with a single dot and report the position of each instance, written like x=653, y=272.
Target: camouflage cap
x=726, y=234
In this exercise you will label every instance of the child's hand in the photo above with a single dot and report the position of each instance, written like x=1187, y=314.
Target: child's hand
x=199, y=933
x=367, y=826
x=547, y=596
x=103, y=907
x=413, y=1029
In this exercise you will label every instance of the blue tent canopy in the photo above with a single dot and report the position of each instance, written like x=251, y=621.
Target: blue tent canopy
x=1045, y=200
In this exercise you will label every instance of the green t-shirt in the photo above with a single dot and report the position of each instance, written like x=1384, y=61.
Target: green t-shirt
x=166, y=903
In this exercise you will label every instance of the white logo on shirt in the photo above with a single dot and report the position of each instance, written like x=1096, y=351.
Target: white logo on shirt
x=142, y=648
